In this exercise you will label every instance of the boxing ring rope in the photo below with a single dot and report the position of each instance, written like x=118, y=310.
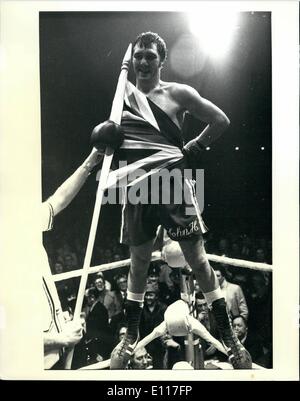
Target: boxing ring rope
x=240, y=263
x=101, y=268
x=158, y=256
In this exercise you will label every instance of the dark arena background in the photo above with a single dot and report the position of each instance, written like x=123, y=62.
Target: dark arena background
x=80, y=59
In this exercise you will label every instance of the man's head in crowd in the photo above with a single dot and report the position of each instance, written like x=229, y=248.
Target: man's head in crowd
x=201, y=305
x=122, y=332
x=91, y=296
x=121, y=281
x=151, y=295
x=153, y=274
x=240, y=327
x=69, y=262
x=220, y=273
x=99, y=283
x=140, y=359
x=260, y=255
x=58, y=268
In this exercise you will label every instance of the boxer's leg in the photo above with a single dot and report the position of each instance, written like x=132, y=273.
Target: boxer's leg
x=195, y=255
x=140, y=261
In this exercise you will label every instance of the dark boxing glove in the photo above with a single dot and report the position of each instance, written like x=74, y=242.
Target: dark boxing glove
x=106, y=134
x=192, y=150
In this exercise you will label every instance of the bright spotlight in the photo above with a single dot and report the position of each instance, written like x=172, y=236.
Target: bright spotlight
x=236, y=148
x=214, y=31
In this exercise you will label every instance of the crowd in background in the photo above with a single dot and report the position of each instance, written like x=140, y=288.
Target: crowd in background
x=248, y=295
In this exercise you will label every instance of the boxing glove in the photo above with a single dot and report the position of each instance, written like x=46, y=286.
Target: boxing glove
x=106, y=134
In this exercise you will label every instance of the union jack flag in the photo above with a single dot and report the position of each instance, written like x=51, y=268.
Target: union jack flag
x=152, y=140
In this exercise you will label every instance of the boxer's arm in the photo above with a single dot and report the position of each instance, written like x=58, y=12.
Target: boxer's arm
x=69, y=189
x=203, y=110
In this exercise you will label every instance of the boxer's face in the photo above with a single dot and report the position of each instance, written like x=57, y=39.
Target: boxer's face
x=146, y=61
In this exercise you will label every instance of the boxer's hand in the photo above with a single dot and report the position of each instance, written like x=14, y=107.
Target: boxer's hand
x=106, y=134
x=192, y=150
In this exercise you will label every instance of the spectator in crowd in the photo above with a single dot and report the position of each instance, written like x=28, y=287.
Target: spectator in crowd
x=121, y=332
x=260, y=307
x=234, y=251
x=233, y=294
x=206, y=318
x=223, y=248
x=120, y=292
x=240, y=276
x=247, y=248
x=117, y=257
x=152, y=315
x=106, y=282
x=96, y=343
x=153, y=278
x=58, y=268
x=69, y=262
x=65, y=291
x=68, y=257
x=202, y=312
x=65, y=288
x=140, y=360
x=107, y=298
x=117, y=322
x=260, y=255
x=251, y=342
x=107, y=257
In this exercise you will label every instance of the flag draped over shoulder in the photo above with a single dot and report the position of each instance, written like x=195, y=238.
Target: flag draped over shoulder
x=152, y=140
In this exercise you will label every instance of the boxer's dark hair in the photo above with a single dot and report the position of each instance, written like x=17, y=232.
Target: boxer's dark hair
x=146, y=38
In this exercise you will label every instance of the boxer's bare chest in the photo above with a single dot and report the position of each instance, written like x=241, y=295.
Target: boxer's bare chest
x=164, y=99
